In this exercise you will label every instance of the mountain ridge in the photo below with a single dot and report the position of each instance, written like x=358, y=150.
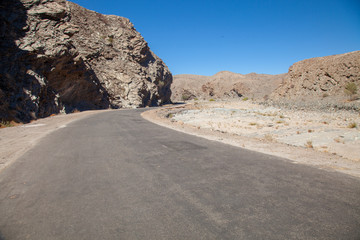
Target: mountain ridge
x=314, y=81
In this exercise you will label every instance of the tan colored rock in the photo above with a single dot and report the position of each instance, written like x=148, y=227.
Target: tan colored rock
x=224, y=85
x=320, y=79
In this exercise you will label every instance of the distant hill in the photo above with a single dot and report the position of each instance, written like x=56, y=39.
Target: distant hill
x=312, y=82
x=224, y=85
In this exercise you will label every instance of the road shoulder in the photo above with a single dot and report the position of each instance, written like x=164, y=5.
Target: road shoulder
x=15, y=141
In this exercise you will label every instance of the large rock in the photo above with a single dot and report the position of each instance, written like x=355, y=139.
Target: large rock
x=56, y=56
x=321, y=79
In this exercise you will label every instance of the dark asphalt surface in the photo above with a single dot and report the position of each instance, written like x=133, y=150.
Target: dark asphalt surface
x=117, y=176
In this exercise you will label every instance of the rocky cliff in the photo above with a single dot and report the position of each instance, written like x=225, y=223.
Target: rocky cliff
x=56, y=56
x=321, y=79
x=224, y=85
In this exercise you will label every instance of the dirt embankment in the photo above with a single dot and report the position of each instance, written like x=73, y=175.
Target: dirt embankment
x=327, y=140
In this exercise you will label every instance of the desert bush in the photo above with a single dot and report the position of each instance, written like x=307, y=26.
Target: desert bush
x=309, y=144
x=245, y=99
x=185, y=97
x=212, y=100
x=269, y=137
x=111, y=39
x=351, y=90
x=352, y=125
x=4, y=123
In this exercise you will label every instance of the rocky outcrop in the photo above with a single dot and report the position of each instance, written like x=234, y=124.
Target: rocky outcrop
x=224, y=85
x=321, y=79
x=56, y=56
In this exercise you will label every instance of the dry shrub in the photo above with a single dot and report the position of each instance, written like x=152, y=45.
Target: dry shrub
x=309, y=144
x=269, y=137
x=352, y=125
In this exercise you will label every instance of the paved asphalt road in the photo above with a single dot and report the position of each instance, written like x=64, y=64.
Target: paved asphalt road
x=117, y=176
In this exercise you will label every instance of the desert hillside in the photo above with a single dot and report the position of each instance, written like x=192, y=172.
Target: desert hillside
x=224, y=85
x=56, y=56
x=318, y=82
x=330, y=79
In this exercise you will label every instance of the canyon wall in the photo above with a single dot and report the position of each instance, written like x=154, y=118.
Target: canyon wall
x=56, y=56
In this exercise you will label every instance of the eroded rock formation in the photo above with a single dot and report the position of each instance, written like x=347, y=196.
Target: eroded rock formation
x=224, y=85
x=56, y=56
x=320, y=79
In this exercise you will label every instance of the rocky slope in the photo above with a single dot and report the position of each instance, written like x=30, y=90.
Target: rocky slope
x=321, y=79
x=224, y=85
x=56, y=56
x=317, y=82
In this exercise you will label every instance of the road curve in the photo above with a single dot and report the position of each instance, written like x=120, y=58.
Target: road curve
x=117, y=176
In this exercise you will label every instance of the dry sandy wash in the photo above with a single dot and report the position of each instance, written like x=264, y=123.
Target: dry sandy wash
x=328, y=140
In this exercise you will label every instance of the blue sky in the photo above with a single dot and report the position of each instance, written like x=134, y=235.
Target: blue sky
x=262, y=36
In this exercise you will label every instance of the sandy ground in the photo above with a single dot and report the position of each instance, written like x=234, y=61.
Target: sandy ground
x=15, y=141
x=322, y=139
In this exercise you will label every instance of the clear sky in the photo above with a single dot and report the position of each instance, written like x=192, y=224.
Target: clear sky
x=262, y=36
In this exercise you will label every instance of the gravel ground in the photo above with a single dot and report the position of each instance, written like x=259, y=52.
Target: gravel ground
x=326, y=139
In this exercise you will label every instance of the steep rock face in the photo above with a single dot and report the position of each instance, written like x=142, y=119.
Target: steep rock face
x=224, y=85
x=320, y=79
x=57, y=56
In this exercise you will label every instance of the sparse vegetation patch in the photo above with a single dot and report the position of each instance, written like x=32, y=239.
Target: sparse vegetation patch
x=334, y=129
x=269, y=137
x=351, y=90
x=111, y=39
x=185, y=97
x=352, y=125
x=309, y=144
x=4, y=124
